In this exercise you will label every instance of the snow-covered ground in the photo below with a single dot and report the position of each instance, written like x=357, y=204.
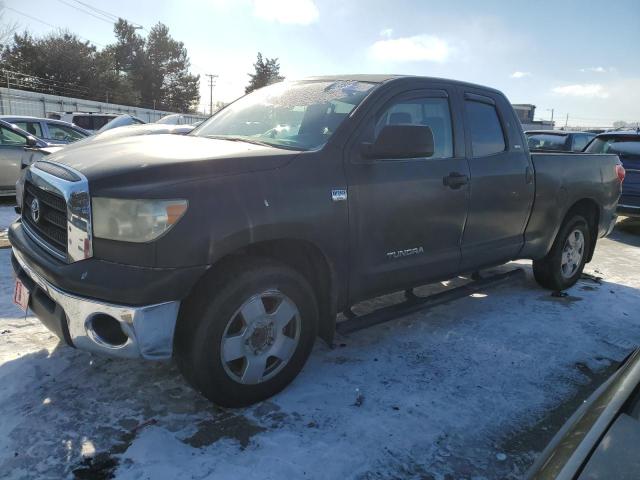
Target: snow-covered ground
x=465, y=390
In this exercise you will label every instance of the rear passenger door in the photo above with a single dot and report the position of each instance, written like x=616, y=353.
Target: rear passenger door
x=502, y=181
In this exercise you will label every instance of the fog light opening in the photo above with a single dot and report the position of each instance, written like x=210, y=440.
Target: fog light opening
x=107, y=330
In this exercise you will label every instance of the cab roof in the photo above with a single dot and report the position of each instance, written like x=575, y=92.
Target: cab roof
x=384, y=78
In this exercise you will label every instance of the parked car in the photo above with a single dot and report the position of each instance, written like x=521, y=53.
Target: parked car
x=601, y=440
x=174, y=119
x=123, y=120
x=53, y=132
x=89, y=121
x=558, y=140
x=232, y=247
x=627, y=146
x=135, y=130
x=17, y=148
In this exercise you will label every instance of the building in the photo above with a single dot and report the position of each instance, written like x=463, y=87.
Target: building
x=526, y=112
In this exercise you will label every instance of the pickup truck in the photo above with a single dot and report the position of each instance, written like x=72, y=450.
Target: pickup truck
x=232, y=248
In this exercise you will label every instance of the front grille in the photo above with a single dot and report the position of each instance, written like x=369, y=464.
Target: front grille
x=51, y=227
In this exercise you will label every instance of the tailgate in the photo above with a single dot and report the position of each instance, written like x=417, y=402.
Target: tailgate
x=631, y=185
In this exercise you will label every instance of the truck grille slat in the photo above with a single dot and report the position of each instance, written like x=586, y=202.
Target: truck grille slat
x=51, y=227
x=51, y=199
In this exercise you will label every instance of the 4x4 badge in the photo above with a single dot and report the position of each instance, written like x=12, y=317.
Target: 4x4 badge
x=338, y=195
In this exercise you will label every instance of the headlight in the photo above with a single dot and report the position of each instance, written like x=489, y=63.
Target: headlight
x=135, y=220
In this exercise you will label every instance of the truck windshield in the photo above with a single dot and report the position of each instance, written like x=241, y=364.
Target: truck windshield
x=291, y=115
x=547, y=141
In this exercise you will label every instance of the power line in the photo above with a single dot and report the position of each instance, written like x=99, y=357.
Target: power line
x=49, y=25
x=110, y=16
x=75, y=7
x=98, y=10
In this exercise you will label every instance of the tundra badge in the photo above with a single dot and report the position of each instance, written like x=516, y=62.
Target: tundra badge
x=405, y=253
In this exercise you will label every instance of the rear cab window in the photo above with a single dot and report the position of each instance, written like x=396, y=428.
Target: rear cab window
x=485, y=128
x=548, y=141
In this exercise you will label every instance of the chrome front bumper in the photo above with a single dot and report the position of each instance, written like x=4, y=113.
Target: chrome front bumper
x=149, y=329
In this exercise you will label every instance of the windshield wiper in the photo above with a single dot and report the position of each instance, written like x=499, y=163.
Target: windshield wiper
x=254, y=142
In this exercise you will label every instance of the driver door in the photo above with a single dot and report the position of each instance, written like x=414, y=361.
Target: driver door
x=406, y=224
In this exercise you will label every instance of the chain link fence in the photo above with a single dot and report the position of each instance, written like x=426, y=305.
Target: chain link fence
x=36, y=104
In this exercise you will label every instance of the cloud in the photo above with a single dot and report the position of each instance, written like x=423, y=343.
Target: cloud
x=598, y=69
x=386, y=32
x=587, y=90
x=520, y=74
x=411, y=49
x=292, y=12
x=593, y=69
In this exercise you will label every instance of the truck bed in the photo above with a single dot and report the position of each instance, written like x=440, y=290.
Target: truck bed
x=561, y=179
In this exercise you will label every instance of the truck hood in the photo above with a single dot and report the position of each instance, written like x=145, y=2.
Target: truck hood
x=165, y=159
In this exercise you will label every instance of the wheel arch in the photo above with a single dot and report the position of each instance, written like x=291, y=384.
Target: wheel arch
x=588, y=208
x=304, y=257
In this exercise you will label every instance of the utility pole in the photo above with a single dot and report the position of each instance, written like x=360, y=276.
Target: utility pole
x=212, y=83
x=566, y=122
x=550, y=110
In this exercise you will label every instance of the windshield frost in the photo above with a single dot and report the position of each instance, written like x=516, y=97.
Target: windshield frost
x=294, y=115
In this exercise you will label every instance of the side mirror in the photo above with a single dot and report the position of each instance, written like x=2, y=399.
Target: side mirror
x=32, y=142
x=401, y=141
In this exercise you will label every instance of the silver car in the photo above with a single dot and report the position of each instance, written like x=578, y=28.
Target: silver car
x=54, y=132
x=17, y=148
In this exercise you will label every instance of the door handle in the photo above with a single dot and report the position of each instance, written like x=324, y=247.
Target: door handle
x=528, y=176
x=455, y=180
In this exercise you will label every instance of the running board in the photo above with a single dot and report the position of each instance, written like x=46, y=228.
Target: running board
x=415, y=303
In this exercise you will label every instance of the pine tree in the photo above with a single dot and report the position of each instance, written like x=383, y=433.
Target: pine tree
x=267, y=71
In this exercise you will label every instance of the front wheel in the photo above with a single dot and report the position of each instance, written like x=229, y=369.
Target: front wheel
x=250, y=336
x=563, y=265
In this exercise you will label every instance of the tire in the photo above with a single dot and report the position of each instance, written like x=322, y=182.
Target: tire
x=277, y=302
x=563, y=265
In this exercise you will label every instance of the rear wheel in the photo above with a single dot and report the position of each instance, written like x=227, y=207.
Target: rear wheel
x=247, y=333
x=564, y=263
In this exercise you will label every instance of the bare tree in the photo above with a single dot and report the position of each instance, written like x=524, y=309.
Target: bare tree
x=7, y=29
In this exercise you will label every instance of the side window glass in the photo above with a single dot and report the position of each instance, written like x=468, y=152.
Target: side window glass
x=83, y=121
x=579, y=142
x=63, y=133
x=10, y=138
x=487, y=136
x=431, y=112
x=30, y=127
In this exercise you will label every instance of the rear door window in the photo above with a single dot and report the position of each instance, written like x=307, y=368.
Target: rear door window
x=487, y=136
x=33, y=128
x=63, y=133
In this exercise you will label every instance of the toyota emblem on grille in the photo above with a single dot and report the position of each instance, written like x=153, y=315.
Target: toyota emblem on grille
x=35, y=210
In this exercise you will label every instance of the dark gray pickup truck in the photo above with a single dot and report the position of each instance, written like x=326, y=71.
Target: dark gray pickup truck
x=231, y=248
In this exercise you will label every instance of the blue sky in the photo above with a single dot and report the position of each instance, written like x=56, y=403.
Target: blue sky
x=580, y=58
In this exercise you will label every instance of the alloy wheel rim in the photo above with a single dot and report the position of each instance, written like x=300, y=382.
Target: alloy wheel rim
x=260, y=338
x=572, y=254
